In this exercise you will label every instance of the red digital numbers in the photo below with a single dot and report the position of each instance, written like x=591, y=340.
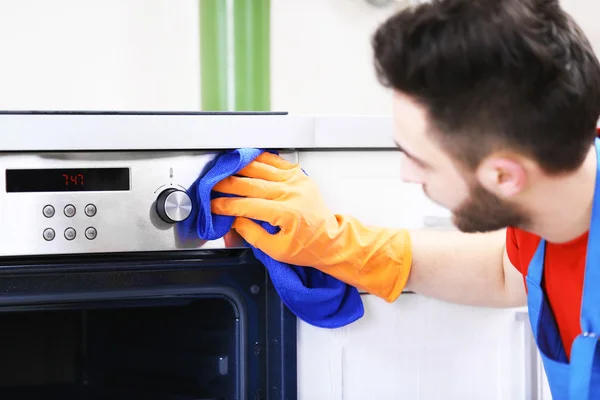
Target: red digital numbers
x=75, y=180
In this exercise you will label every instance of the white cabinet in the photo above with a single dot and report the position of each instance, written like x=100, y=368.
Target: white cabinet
x=367, y=185
x=416, y=348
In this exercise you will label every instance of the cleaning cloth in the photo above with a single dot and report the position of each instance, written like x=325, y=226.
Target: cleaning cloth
x=313, y=296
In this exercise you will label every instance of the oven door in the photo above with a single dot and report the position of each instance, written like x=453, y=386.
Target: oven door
x=146, y=326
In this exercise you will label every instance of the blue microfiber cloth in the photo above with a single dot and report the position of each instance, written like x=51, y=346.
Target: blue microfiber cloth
x=313, y=296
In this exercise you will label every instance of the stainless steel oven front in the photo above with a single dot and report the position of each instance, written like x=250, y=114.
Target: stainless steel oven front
x=99, y=202
x=101, y=299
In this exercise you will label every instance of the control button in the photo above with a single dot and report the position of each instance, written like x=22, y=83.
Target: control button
x=90, y=210
x=48, y=211
x=173, y=205
x=69, y=210
x=49, y=234
x=91, y=233
x=70, y=233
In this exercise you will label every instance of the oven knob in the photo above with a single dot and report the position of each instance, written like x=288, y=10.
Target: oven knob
x=173, y=205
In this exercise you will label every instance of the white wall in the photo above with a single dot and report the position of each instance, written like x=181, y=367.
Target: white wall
x=585, y=13
x=144, y=54
x=322, y=61
x=110, y=54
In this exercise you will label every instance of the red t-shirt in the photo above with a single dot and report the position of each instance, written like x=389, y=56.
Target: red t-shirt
x=563, y=276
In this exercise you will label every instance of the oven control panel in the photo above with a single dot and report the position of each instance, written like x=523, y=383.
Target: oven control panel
x=101, y=202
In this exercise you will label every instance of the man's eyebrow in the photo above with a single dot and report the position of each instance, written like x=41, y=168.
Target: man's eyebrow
x=407, y=154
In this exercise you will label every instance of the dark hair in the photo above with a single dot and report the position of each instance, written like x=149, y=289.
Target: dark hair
x=496, y=74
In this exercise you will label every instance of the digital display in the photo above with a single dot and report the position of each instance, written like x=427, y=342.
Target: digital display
x=67, y=180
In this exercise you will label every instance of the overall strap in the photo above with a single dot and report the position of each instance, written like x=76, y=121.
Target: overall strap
x=535, y=271
x=590, y=304
x=535, y=295
x=585, y=361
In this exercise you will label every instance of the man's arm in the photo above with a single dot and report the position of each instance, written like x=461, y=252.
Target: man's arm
x=463, y=268
x=451, y=266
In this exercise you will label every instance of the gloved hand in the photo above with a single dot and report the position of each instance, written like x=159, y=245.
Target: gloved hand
x=376, y=260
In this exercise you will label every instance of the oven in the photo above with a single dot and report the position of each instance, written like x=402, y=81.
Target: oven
x=100, y=297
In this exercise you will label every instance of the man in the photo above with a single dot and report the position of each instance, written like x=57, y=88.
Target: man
x=495, y=106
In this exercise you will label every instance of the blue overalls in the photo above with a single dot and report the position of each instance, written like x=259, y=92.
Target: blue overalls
x=578, y=379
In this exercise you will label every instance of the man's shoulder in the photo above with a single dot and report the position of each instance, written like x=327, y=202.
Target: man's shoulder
x=520, y=247
x=523, y=237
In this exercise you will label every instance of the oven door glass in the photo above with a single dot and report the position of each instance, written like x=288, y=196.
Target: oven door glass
x=168, y=349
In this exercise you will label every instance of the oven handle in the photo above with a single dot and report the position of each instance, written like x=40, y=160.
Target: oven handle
x=532, y=361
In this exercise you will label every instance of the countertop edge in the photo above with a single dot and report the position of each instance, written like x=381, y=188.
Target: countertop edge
x=117, y=132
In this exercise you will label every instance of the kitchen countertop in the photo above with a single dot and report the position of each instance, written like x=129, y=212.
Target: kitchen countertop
x=94, y=130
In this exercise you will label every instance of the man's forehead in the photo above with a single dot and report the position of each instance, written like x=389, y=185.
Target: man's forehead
x=412, y=133
x=410, y=121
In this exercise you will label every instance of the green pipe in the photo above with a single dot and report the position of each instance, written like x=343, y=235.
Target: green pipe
x=213, y=55
x=252, y=50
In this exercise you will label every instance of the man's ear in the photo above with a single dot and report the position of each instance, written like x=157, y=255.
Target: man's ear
x=503, y=176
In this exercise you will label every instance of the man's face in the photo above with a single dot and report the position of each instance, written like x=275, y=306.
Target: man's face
x=424, y=162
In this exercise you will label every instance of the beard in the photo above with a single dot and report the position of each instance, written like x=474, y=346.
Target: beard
x=485, y=212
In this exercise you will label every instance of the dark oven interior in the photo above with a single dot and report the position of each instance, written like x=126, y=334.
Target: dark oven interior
x=170, y=330
x=185, y=350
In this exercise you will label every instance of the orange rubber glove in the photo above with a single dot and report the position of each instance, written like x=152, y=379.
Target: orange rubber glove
x=375, y=260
